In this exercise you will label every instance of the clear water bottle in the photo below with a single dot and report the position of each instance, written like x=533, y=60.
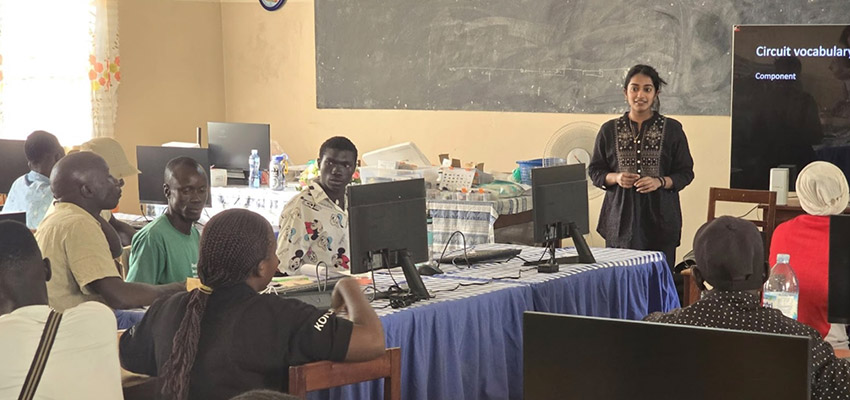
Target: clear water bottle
x=430, y=223
x=276, y=179
x=254, y=171
x=781, y=291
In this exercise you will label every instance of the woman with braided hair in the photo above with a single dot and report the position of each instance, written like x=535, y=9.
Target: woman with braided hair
x=224, y=338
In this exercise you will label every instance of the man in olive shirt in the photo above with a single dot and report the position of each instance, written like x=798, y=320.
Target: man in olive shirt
x=71, y=237
x=166, y=250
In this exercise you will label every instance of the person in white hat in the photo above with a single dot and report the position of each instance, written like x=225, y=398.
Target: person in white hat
x=823, y=191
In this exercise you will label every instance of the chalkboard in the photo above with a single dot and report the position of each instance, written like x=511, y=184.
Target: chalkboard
x=566, y=56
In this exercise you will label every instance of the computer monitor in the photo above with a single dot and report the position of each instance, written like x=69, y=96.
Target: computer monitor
x=14, y=216
x=152, y=161
x=230, y=144
x=560, y=210
x=387, y=228
x=576, y=357
x=14, y=163
x=838, y=297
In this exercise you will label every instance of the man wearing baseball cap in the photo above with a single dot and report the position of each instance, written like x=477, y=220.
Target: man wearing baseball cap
x=120, y=167
x=730, y=270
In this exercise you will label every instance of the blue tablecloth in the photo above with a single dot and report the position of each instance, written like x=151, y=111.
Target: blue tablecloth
x=467, y=343
x=462, y=344
x=622, y=283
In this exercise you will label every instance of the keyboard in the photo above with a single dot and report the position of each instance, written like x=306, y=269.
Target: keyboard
x=317, y=294
x=480, y=256
x=137, y=224
x=311, y=287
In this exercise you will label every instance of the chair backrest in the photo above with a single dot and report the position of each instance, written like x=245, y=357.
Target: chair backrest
x=327, y=374
x=763, y=199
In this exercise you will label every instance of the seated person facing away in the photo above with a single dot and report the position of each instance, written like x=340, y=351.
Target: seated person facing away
x=166, y=250
x=83, y=362
x=120, y=167
x=224, y=338
x=730, y=269
x=71, y=237
x=314, y=224
x=31, y=192
x=264, y=395
x=823, y=191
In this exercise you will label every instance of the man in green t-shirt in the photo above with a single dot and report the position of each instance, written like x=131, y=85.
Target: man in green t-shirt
x=166, y=250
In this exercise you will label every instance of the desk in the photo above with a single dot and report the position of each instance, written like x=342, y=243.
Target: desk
x=793, y=209
x=478, y=220
x=467, y=343
x=264, y=201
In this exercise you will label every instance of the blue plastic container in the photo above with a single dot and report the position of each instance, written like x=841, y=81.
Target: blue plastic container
x=526, y=166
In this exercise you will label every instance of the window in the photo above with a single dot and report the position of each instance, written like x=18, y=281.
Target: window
x=49, y=78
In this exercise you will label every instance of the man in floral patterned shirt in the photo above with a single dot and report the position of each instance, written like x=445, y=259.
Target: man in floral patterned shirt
x=314, y=224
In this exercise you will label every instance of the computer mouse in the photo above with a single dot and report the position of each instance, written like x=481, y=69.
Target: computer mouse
x=428, y=270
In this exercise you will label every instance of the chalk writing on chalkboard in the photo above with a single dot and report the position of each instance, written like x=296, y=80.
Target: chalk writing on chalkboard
x=536, y=55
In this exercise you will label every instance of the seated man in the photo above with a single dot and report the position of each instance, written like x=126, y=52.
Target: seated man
x=166, y=250
x=224, y=338
x=31, y=192
x=730, y=269
x=83, y=362
x=120, y=167
x=314, y=224
x=823, y=191
x=71, y=237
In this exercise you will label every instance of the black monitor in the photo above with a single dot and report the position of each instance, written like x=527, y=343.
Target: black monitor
x=152, y=161
x=789, y=100
x=14, y=163
x=574, y=357
x=387, y=228
x=231, y=143
x=838, y=303
x=560, y=210
x=14, y=216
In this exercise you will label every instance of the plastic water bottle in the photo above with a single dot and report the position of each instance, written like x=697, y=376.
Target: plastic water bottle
x=254, y=173
x=430, y=224
x=781, y=291
x=276, y=180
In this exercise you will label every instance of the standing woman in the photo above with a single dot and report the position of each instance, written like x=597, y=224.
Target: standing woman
x=642, y=161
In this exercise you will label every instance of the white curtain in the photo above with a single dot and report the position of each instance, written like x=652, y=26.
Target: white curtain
x=105, y=72
x=59, y=68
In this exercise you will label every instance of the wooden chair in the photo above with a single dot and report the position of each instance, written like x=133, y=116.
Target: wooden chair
x=692, y=292
x=326, y=374
x=763, y=199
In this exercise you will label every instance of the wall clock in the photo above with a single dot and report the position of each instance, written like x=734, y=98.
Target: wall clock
x=271, y=5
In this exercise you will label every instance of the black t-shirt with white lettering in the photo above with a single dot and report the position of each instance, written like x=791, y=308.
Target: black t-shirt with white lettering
x=248, y=340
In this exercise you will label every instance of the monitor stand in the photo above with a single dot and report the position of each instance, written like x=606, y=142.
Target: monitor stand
x=552, y=264
x=415, y=286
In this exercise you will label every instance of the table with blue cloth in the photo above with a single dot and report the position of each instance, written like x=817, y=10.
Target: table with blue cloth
x=466, y=342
